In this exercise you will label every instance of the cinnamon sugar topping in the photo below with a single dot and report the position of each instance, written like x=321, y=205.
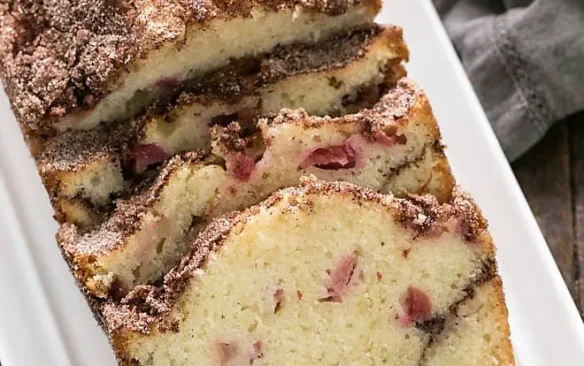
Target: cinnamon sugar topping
x=57, y=56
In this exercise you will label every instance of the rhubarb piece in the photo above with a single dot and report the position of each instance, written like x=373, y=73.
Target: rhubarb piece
x=240, y=167
x=339, y=278
x=417, y=306
x=390, y=137
x=342, y=156
x=449, y=289
x=145, y=155
x=226, y=353
x=256, y=352
x=229, y=353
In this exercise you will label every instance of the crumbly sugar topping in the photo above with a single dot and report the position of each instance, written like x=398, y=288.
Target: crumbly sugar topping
x=57, y=56
x=127, y=218
x=73, y=150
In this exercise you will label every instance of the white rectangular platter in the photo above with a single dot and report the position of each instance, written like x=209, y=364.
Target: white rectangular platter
x=45, y=321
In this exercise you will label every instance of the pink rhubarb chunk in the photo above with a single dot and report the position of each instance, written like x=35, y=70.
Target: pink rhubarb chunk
x=342, y=156
x=240, y=167
x=339, y=278
x=390, y=139
x=416, y=306
x=255, y=352
x=229, y=354
x=145, y=155
x=226, y=352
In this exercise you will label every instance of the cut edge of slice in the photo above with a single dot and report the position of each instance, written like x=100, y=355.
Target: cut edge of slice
x=394, y=144
x=96, y=166
x=156, y=316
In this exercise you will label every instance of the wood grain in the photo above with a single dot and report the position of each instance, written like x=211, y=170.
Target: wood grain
x=544, y=175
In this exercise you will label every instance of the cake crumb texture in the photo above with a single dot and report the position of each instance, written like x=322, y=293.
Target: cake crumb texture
x=298, y=273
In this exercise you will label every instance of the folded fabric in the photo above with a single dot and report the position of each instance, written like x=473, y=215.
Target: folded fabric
x=525, y=59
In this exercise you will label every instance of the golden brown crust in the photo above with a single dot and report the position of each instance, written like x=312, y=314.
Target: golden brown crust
x=73, y=153
x=442, y=174
x=59, y=56
x=497, y=301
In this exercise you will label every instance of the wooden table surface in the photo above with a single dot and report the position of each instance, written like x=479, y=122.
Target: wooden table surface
x=552, y=178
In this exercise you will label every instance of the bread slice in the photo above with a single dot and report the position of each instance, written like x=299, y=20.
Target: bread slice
x=325, y=274
x=84, y=170
x=395, y=144
x=75, y=64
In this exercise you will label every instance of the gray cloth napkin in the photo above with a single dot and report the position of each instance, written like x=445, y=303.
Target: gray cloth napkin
x=525, y=59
